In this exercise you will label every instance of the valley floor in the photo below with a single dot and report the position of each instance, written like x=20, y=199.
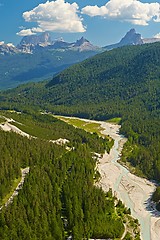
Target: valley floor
x=135, y=192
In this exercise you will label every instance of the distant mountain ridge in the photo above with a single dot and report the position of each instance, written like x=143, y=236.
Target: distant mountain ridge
x=132, y=38
x=38, y=57
x=29, y=44
x=33, y=43
x=9, y=48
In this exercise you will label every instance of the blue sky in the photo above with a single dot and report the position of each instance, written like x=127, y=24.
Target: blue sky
x=100, y=21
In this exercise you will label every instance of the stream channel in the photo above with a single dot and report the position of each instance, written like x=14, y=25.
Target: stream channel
x=132, y=190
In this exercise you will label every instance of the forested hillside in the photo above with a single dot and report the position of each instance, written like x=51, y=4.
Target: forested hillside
x=22, y=67
x=124, y=83
x=59, y=197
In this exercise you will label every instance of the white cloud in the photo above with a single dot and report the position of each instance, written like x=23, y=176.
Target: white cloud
x=37, y=30
x=157, y=35
x=133, y=11
x=26, y=32
x=55, y=16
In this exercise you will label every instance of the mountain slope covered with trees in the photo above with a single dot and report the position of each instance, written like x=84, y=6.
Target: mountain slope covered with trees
x=22, y=67
x=124, y=83
x=59, y=197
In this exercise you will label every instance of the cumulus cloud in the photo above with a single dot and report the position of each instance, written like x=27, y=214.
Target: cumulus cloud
x=54, y=16
x=133, y=11
x=157, y=35
x=26, y=32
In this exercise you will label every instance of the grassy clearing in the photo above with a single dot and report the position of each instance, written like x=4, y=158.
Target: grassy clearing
x=37, y=130
x=13, y=187
x=114, y=120
x=2, y=120
x=87, y=126
x=25, y=124
x=31, y=126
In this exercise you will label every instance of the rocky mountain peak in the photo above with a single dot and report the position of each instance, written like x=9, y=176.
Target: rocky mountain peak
x=131, y=38
x=81, y=41
x=8, y=48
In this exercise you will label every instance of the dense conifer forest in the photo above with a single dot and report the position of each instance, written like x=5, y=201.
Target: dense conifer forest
x=59, y=197
x=21, y=68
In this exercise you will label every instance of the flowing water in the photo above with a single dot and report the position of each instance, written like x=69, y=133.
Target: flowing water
x=123, y=174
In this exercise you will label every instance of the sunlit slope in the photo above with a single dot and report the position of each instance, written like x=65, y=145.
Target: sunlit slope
x=122, y=83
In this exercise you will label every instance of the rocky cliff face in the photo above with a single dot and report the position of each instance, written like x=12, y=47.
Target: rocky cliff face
x=43, y=39
x=131, y=38
x=7, y=49
x=84, y=45
x=31, y=43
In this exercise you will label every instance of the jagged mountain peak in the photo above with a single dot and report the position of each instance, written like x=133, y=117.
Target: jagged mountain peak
x=8, y=48
x=30, y=43
x=131, y=38
x=81, y=41
x=132, y=31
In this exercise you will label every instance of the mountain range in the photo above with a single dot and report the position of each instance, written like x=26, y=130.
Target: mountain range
x=38, y=57
x=34, y=43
